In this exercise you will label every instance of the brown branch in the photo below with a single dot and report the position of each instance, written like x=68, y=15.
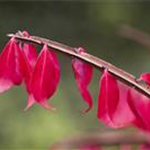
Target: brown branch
x=102, y=139
x=136, y=35
x=96, y=62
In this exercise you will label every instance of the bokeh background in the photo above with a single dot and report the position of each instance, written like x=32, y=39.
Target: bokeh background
x=91, y=24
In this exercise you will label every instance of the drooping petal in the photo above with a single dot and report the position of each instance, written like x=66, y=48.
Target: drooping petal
x=45, y=77
x=140, y=106
x=30, y=51
x=145, y=77
x=113, y=107
x=10, y=73
x=28, y=58
x=123, y=115
x=83, y=75
x=108, y=98
x=26, y=69
x=31, y=101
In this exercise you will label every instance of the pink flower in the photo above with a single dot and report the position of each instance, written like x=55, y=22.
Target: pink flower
x=83, y=75
x=140, y=106
x=30, y=51
x=123, y=115
x=145, y=77
x=108, y=97
x=26, y=69
x=10, y=71
x=44, y=79
x=28, y=58
x=113, y=108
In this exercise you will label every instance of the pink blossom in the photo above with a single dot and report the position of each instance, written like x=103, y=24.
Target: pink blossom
x=45, y=78
x=108, y=97
x=113, y=108
x=145, y=77
x=10, y=71
x=29, y=51
x=83, y=75
x=140, y=106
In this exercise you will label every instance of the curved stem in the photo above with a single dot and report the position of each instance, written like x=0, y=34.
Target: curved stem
x=102, y=139
x=135, y=34
x=96, y=62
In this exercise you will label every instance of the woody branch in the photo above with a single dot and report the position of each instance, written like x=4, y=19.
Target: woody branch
x=102, y=139
x=96, y=62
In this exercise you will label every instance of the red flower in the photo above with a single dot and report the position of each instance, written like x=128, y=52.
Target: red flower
x=108, y=97
x=10, y=71
x=123, y=115
x=29, y=51
x=26, y=69
x=113, y=108
x=45, y=78
x=140, y=106
x=83, y=75
x=145, y=77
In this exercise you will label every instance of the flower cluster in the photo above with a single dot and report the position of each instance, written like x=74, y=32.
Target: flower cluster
x=20, y=63
x=40, y=73
x=118, y=104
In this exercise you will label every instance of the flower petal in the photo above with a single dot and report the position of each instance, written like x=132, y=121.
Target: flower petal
x=10, y=73
x=108, y=98
x=45, y=77
x=29, y=51
x=145, y=77
x=123, y=115
x=83, y=75
x=31, y=102
x=140, y=106
x=113, y=107
x=26, y=69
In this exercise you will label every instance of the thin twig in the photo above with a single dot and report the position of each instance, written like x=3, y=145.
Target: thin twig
x=96, y=62
x=136, y=35
x=102, y=139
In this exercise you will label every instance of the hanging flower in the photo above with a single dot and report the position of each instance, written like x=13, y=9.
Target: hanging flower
x=27, y=59
x=140, y=106
x=113, y=108
x=83, y=75
x=145, y=77
x=45, y=78
x=108, y=97
x=10, y=71
x=29, y=51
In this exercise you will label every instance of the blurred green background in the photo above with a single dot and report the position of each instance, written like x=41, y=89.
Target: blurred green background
x=93, y=25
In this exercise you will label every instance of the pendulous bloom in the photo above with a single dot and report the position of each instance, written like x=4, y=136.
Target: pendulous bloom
x=10, y=69
x=108, y=97
x=83, y=75
x=113, y=107
x=28, y=58
x=29, y=51
x=145, y=77
x=140, y=106
x=45, y=78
